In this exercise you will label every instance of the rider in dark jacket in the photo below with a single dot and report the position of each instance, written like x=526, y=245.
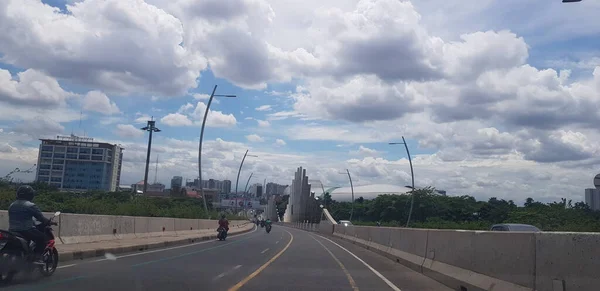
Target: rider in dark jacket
x=20, y=220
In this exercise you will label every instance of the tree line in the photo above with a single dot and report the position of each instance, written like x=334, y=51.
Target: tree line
x=465, y=212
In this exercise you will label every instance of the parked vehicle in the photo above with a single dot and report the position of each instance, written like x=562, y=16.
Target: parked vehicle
x=17, y=255
x=514, y=227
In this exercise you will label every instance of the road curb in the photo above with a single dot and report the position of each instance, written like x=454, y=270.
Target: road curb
x=80, y=255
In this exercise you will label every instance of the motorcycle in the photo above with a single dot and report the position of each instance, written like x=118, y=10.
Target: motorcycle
x=262, y=223
x=222, y=233
x=16, y=253
x=268, y=228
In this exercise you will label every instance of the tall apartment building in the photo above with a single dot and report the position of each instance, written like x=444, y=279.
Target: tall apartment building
x=592, y=198
x=176, y=182
x=74, y=163
x=226, y=186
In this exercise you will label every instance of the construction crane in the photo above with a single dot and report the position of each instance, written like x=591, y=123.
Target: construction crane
x=8, y=177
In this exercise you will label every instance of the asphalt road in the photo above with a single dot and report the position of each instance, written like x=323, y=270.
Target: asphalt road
x=285, y=259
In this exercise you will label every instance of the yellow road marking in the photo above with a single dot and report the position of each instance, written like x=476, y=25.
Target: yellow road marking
x=350, y=279
x=251, y=276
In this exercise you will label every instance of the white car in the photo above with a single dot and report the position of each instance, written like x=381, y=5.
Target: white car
x=346, y=223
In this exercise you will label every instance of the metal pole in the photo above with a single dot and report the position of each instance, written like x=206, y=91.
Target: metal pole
x=200, y=149
x=246, y=188
x=239, y=171
x=352, y=189
x=151, y=127
x=412, y=193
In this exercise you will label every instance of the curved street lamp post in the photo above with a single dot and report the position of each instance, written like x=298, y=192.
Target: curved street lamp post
x=212, y=95
x=151, y=127
x=412, y=174
x=352, y=190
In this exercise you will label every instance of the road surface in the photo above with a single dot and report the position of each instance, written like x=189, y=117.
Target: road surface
x=285, y=259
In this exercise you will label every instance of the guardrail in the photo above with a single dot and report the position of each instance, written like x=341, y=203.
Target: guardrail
x=483, y=260
x=81, y=228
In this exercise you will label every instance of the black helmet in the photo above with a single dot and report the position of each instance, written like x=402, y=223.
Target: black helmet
x=25, y=192
x=223, y=216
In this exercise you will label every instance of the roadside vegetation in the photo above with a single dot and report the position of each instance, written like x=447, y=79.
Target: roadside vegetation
x=110, y=203
x=464, y=212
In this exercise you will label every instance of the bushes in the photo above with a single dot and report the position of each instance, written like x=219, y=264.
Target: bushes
x=111, y=203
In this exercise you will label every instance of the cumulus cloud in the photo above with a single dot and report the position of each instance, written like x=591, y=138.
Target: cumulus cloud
x=280, y=142
x=190, y=115
x=264, y=108
x=263, y=123
x=99, y=102
x=255, y=138
x=31, y=88
x=128, y=131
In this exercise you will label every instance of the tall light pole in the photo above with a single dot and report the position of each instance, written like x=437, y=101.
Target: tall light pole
x=240, y=170
x=351, y=189
x=212, y=95
x=150, y=127
x=412, y=175
x=246, y=188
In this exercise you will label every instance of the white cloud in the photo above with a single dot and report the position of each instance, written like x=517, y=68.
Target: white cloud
x=255, y=138
x=99, y=102
x=31, y=88
x=263, y=123
x=176, y=119
x=280, y=142
x=264, y=108
x=190, y=115
x=128, y=131
x=365, y=151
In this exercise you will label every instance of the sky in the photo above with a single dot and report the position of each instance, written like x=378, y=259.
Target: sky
x=494, y=98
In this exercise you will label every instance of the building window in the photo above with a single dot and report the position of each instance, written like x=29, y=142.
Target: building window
x=44, y=173
x=84, y=157
x=56, y=179
x=59, y=149
x=59, y=156
x=97, y=151
x=46, y=161
x=72, y=150
x=46, y=155
x=97, y=158
x=72, y=156
x=45, y=167
x=57, y=173
x=43, y=179
x=57, y=167
x=47, y=148
x=60, y=162
x=84, y=151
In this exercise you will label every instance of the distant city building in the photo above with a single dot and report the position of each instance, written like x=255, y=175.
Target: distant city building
x=592, y=198
x=176, y=182
x=226, y=187
x=441, y=192
x=256, y=190
x=74, y=163
x=274, y=189
x=156, y=189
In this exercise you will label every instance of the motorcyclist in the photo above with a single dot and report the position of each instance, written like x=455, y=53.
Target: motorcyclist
x=268, y=223
x=20, y=220
x=224, y=223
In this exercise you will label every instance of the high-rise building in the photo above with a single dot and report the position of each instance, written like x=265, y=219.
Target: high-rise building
x=176, y=182
x=226, y=186
x=74, y=163
x=274, y=189
x=592, y=198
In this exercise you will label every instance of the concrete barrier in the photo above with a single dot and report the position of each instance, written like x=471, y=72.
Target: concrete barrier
x=567, y=261
x=82, y=228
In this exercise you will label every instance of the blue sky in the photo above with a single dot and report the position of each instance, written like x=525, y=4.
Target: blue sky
x=475, y=87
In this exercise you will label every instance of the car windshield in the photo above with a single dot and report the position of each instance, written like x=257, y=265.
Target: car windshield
x=350, y=144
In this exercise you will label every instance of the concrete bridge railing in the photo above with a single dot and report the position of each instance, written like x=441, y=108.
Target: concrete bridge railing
x=82, y=228
x=483, y=260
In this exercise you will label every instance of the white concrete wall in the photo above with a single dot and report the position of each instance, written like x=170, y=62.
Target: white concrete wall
x=80, y=228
